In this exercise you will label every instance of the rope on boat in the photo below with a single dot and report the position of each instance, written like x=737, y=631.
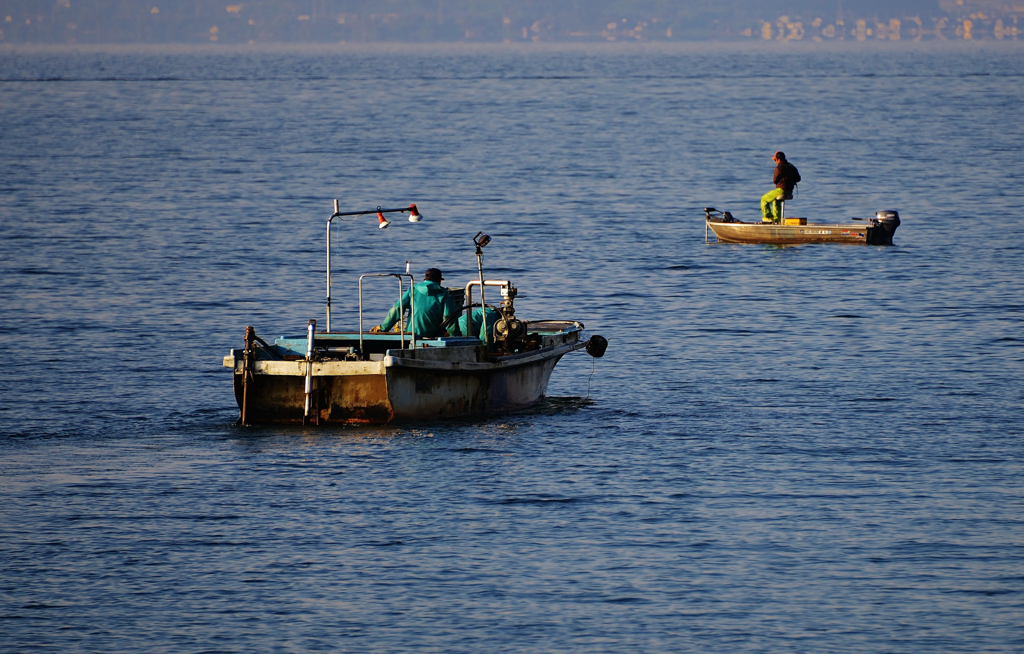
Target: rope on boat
x=593, y=360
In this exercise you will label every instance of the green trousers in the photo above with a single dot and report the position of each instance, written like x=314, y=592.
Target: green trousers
x=770, y=207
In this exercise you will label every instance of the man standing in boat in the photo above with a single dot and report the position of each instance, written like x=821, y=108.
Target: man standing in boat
x=433, y=307
x=785, y=179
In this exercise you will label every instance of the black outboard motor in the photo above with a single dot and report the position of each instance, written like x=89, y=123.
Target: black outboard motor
x=883, y=226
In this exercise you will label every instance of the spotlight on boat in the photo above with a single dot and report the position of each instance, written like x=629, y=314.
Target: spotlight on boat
x=382, y=222
x=414, y=214
x=481, y=240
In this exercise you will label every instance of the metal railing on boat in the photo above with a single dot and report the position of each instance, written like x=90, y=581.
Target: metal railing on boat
x=401, y=312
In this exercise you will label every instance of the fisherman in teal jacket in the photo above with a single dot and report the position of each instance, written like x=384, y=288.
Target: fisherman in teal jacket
x=478, y=324
x=433, y=307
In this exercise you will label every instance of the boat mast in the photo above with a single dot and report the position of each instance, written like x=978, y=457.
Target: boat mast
x=480, y=240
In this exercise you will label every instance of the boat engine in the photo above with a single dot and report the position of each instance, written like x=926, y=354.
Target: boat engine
x=883, y=226
x=510, y=333
x=510, y=330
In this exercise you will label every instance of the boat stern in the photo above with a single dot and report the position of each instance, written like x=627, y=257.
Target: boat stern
x=883, y=226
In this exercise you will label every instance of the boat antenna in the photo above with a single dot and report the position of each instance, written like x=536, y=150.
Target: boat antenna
x=481, y=240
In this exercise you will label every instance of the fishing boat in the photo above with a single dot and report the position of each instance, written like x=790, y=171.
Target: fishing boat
x=365, y=377
x=793, y=231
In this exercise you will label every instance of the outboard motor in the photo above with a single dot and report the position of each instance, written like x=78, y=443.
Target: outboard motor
x=883, y=226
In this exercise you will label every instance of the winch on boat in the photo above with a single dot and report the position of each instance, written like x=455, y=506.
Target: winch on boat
x=792, y=231
x=488, y=360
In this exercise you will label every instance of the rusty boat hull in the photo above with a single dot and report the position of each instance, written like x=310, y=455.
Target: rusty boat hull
x=877, y=231
x=440, y=378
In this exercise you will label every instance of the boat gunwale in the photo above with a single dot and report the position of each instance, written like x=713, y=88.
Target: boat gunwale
x=500, y=363
x=338, y=368
x=741, y=233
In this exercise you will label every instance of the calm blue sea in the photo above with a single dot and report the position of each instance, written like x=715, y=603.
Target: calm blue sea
x=808, y=449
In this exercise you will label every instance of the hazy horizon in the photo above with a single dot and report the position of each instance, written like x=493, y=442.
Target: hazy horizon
x=454, y=21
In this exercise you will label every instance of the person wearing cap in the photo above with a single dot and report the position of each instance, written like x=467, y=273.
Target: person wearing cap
x=433, y=307
x=785, y=179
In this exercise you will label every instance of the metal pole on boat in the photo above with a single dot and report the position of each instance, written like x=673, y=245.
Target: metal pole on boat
x=412, y=308
x=412, y=302
x=414, y=217
x=401, y=313
x=248, y=363
x=310, y=329
x=481, y=240
x=329, y=220
x=361, y=350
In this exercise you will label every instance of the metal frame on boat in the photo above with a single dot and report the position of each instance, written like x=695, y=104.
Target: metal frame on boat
x=794, y=231
x=360, y=377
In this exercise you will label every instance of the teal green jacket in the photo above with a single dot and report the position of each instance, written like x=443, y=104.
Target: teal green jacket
x=433, y=306
x=478, y=324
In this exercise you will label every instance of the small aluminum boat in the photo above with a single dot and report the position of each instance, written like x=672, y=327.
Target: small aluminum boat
x=794, y=231
x=361, y=377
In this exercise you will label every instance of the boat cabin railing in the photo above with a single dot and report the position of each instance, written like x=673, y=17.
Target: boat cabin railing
x=401, y=313
x=505, y=286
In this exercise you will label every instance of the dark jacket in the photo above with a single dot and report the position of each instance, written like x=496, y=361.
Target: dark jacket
x=786, y=177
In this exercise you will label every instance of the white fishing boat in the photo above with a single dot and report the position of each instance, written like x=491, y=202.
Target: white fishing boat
x=361, y=377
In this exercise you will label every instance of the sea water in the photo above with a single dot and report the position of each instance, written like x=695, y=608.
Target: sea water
x=805, y=449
